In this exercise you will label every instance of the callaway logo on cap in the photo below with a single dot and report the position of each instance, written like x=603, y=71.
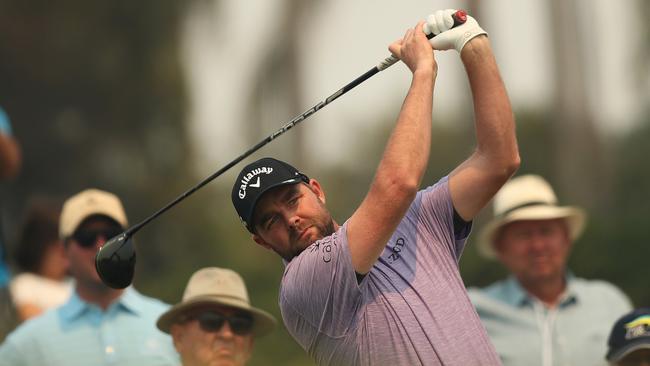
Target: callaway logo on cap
x=246, y=180
x=257, y=178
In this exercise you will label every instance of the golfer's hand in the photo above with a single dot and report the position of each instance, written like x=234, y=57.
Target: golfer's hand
x=440, y=24
x=414, y=50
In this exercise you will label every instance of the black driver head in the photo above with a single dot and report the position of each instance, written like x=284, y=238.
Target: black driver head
x=115, y=261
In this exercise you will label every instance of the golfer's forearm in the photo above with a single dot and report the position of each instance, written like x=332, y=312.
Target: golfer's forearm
x=495, y=126
x=397, y=179
x=407, y=151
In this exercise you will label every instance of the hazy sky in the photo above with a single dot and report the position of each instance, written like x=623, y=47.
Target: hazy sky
x=343, y=39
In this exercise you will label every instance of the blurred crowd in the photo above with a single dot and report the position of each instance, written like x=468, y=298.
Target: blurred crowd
x=55, y=309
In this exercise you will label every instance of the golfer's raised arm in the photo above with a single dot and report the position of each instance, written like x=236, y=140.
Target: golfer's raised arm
x=496, y=157
x=405, y=157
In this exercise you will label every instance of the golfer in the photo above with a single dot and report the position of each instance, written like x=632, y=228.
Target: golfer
x=384, y=287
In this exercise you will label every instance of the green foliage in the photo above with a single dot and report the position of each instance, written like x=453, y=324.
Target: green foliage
x=97, y=98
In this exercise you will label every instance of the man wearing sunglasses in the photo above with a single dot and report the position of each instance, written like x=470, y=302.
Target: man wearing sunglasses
x=215, y=324
x=98, y=325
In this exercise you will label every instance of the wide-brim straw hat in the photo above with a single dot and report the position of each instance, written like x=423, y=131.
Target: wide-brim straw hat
x=528, y=197
x=221, y=287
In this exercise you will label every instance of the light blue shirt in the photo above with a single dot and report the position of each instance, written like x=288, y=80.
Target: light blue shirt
x=5, y=126
x=574, y=333
x=81, y=334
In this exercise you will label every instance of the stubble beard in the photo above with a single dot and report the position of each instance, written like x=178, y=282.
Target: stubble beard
x=323, y=230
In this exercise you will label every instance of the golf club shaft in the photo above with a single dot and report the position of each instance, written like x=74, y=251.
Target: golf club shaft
x=459, y=18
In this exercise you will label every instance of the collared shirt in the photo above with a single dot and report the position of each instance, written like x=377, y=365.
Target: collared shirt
x=573, y=333
x=79, y=333
x=410, y=309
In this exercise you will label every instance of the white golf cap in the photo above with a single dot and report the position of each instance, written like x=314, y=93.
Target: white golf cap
x=88, y=203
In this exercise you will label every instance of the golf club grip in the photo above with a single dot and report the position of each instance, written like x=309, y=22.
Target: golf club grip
x=460, y=17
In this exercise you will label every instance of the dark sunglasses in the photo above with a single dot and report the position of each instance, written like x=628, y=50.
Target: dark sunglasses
x=240, y=324
x=88, y=238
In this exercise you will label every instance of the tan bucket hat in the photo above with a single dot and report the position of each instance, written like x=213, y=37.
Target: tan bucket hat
x=527, y=197
x=88, y=203
x=217, y=286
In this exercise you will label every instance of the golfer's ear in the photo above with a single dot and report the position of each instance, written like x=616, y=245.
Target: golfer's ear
x=258, y=239
x=317, y=189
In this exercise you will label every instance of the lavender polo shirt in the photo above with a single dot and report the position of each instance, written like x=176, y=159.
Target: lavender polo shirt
x=410, y=309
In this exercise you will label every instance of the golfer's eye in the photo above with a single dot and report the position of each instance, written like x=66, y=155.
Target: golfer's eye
x=270, y=222
x=293, y=201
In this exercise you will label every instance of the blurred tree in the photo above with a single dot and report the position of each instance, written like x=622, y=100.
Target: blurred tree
x=97, y=97
x=578, y=143
x=276, y=87
x=77, y=75
x=643, y=63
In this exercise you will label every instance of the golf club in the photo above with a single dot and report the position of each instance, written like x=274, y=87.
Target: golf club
x=115, y=260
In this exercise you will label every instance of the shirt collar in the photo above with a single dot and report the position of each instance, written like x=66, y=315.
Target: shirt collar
x=517, y=296
x=570, y=295
x=130, y=301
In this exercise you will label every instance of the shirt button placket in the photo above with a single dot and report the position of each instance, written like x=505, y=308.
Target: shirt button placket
x=109, y=341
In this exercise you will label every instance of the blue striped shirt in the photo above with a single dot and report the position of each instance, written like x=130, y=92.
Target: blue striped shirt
x=79, y=333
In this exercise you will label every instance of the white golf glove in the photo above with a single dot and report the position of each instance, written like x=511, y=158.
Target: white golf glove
x=440, y=23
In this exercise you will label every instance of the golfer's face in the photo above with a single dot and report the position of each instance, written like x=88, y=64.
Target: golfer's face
x=534, y=250
x=212, y=347
x=290, y=218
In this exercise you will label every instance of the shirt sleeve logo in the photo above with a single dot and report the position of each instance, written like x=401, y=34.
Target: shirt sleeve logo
x=396, y=250
x=325, y=247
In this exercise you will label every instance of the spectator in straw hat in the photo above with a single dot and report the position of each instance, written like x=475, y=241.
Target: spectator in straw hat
x=629, y=341
x=542, y=314
x=215, y=323
x=98, y=325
